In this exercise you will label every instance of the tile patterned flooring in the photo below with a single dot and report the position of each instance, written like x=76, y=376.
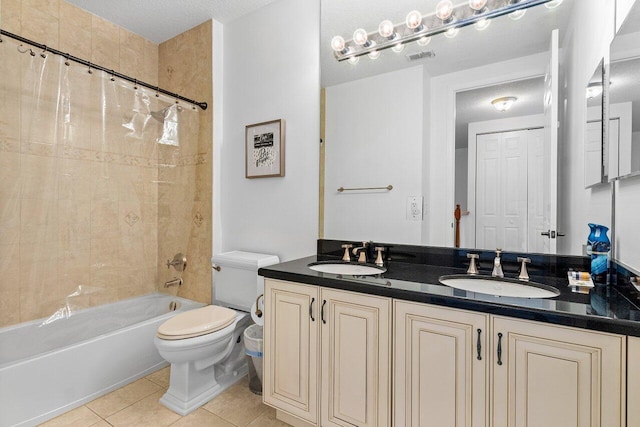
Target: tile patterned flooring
x=137, y=405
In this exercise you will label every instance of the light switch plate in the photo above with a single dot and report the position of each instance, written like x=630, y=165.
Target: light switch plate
x=414, y=208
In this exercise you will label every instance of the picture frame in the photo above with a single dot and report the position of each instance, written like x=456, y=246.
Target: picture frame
x=264, y=149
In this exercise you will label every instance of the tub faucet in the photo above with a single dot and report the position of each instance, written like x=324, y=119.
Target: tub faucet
x=174, y=282
x=497, y=267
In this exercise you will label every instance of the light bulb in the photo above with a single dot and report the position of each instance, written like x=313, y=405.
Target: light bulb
x=517, y=14
x=374, y=54
x=423, y=41
x=337, y=44
x=360, y=36
x=444, y=9
x=386, y=28
x=353, y=60
x=398, y=47
x=414, y=19
x=553, y=4
x=482, y=24
x=451, y=32
x=477, y=4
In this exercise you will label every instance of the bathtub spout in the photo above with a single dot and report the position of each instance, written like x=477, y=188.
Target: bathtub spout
x=174, y=282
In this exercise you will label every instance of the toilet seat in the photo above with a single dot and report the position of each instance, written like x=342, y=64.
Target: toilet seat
x=194, y=323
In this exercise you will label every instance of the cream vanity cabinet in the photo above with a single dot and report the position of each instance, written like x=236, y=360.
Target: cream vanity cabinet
x=460, y=368
x=327, y=355
x=441, y=368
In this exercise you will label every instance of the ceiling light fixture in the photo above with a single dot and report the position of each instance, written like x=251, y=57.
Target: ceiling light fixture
x=447, y=18
x=504, y=103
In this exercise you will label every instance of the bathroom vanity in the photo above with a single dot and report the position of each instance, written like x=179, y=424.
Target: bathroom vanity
x=401, y=349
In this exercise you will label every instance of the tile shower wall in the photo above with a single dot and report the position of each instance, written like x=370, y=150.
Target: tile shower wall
x=185, y=67
x=94, y=231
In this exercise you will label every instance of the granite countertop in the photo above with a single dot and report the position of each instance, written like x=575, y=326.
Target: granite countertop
x=604, y=309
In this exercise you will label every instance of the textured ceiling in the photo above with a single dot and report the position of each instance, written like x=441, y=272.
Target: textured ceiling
x=160, y=20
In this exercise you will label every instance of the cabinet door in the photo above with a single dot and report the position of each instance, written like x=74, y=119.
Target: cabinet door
x=291, y=328
x=356, y=350
x=555, y=376
x=633, y=382
x=440, y=376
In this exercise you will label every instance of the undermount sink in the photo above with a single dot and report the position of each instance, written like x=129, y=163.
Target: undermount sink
x=346, y=268
x=499, y=286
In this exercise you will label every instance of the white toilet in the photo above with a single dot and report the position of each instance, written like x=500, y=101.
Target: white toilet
x=204, y=346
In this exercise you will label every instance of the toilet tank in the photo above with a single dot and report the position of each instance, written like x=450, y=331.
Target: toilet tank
x=237, y=284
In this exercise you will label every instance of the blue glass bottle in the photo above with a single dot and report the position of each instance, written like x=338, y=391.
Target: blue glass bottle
x=600, y=245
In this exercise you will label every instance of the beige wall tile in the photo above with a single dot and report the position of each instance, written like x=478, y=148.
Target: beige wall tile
x=39, y=24
x=11, y=16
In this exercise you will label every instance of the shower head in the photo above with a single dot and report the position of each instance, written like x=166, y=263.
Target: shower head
x=161, y=115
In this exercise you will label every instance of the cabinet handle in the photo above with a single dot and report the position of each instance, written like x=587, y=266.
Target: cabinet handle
x=479, y=345
x=311, y=309
x=322, y=311
x=500, y=348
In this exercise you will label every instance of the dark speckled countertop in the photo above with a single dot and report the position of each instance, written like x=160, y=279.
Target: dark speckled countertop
x=605, y=308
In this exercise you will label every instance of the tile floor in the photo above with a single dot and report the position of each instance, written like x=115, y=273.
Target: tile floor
x=137, y=405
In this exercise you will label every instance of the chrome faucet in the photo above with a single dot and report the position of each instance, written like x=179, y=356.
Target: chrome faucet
x=497, y=267
x=346, y=257
x=523, y=274
x=473, y=268
x=361, y=252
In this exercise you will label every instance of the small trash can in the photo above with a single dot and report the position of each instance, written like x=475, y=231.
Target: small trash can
x=253, y=348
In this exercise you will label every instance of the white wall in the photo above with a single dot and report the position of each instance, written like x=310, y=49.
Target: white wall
x=586, y=44
x=378, y=122
x=270, y=71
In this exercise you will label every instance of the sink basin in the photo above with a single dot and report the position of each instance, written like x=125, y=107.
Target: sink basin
x=499, y=286
x=347, y=269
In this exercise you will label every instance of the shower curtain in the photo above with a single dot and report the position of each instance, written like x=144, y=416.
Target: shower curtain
x=97, y=183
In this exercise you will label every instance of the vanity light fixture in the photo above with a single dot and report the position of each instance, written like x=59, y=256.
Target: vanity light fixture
x=504, y=103
x=553, y=4
x=447, y=18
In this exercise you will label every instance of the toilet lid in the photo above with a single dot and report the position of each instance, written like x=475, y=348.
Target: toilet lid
x=197, y=322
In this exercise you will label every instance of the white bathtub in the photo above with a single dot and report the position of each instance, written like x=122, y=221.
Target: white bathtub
x=49, y=368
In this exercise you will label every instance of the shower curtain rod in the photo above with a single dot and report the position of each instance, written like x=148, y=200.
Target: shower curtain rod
x=113, y=73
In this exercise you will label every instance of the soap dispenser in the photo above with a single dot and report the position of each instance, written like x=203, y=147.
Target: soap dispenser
x=598, y=246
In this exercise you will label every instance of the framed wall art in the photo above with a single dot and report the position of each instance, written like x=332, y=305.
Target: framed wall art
x=264, y=149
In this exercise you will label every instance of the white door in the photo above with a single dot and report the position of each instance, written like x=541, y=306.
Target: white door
x=551, y=147
x=536, y=221
x=501, y=191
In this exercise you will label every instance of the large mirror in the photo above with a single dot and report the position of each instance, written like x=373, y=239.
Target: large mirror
x=624, y=97
x=398, y=131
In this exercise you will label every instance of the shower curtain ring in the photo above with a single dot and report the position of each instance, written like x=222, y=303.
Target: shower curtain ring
x=113, y=76
x=157, y=91
x=44, y=52
x=89, y=70
x=135, y=84
x=31, y=52
x=66, y=59
x=20, y=50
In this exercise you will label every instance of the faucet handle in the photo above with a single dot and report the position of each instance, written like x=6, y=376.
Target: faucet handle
x=473, y=268
x=523, y=275
x=379, y=261
x=346, y=257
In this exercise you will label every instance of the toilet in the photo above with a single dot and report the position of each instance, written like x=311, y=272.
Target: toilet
x=204, y=345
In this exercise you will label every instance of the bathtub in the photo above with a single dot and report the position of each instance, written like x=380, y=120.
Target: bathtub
x=47, y=368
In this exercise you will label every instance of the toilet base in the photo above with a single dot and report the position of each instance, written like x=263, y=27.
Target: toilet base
x=184, y=400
